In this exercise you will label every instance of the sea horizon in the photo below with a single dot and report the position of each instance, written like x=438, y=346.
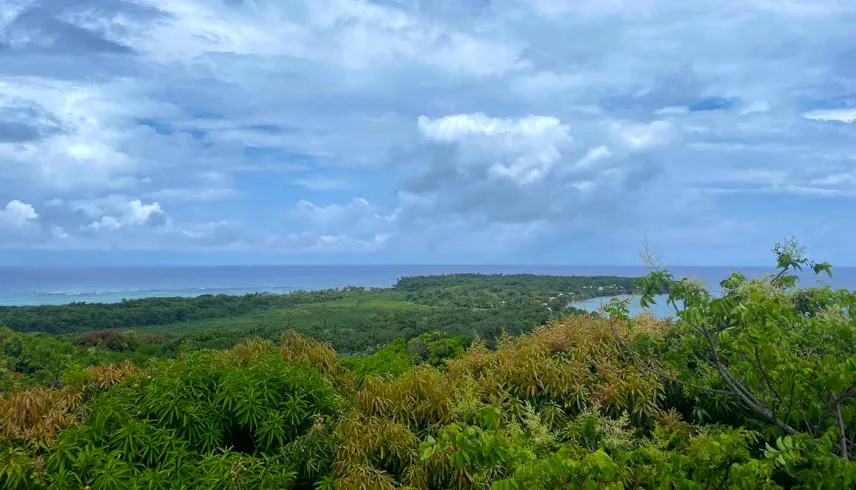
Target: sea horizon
x=50, y=285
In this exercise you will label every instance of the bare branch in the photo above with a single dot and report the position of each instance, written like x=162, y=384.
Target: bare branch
x=651, y=260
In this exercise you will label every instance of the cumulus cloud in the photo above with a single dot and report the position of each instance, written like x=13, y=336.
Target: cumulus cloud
x=131, y=213
x=525, y=170
x=355, y=226
x=58, y=232
x=524, y=150
x=18, y=214
x=593, y=156
x=334, y=214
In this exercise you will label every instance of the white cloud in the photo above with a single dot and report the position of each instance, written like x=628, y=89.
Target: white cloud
x=58, y=232
x=514, y=172
x=839, y=115
x=523, y=150
x=353, y=34
x=133, y=213
x=106, y=223
x=461, y=127
x=672, y=111
x=641, y=136
x=344, y=243
x=334, y=213
x=110, y=204
x=593, y=156
x=139, y=213
x=18, y=214
x=85, y=153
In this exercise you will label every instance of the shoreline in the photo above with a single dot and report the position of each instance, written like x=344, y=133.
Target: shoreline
x=612, y=294
x=112, y=297
x=36, y=299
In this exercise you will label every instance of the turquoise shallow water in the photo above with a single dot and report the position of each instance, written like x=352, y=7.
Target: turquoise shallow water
x=660, y=310
x=844, y=278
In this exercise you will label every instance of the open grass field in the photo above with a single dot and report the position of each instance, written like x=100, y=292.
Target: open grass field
x=339, y=315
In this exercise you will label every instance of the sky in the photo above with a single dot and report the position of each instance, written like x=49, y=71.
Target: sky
x=426, y=131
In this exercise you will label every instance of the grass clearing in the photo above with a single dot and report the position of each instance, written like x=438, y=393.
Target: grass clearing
x=344, y=314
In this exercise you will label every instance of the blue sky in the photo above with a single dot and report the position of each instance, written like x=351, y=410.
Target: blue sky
x=425, y=131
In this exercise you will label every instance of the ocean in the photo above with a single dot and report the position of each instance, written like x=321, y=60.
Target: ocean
x=61, y=285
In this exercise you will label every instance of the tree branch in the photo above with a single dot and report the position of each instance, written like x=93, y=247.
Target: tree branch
x=842, y=434
x=766, y=378
x=778, y=276
x=657, y=372
x=741, y=391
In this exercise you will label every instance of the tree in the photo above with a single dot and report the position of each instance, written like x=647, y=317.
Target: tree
x=784, y=355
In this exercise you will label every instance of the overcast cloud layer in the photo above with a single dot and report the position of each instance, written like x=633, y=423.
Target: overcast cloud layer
x=420, y=131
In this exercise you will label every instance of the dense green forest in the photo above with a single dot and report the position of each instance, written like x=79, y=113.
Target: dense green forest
x=751, y=389
x=83, y=317
x=353, y=320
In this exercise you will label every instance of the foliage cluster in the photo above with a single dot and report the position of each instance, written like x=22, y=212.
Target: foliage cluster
x=110, y=339
x=487, y=291
x=28, y=360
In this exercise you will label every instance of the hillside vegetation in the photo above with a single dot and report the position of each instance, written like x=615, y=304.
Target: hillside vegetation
x=753, y=389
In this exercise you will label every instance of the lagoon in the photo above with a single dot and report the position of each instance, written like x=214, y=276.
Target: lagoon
x=660, y=310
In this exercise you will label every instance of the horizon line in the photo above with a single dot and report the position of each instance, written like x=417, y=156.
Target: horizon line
x=190, y=266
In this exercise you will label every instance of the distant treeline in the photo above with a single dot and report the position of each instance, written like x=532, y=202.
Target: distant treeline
x=533, y=298
x=497, y=290
x=84, y=317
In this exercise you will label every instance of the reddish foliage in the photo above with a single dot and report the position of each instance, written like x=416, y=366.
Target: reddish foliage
x=110, y=339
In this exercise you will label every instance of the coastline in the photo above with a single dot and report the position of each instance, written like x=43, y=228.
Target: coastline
x=59, y=298
x=658, y=309
x=611, y=294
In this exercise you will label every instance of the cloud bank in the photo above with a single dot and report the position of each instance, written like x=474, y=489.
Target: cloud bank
x=416, y=131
